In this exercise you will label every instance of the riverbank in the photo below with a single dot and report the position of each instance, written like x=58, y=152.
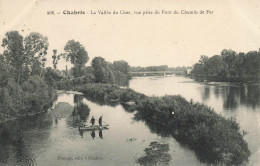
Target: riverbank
x=40, y=107
x=215, y=138
x=242, y=79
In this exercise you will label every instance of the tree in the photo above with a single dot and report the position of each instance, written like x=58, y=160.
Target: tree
x=55, y=59
x=228, y=57
x=76, y=53
x=230, y=65
x=102, y=72
x=78, y=70
x=121, y=66
x=203, y=59
x=36, y=46
x=5, y=74
x=252, y=63
x=98, y=64
x=9, y=91
x=50, y=77
x=198, y=69
x=14, y=54
x=214, y=66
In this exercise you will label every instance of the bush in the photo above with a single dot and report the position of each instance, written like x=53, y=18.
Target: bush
x=33, y=96
x=71, y=84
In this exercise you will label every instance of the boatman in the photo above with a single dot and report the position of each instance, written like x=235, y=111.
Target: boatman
x=100, y=121
x=92, y=120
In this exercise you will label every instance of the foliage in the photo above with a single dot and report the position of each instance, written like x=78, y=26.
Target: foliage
x=30, y=98
x=71, y=84
x=36, y=46
x=51, y=77
x=105, y=72
x=121, y=66
x=22, y=90
x=37, y=96
x=229, y=66
x=102, y=72
x=55, y=59
x=158, y=68
x=76, y=52
x=108, y=92
x=78, y=56
x=14, y=54
x=78, y=71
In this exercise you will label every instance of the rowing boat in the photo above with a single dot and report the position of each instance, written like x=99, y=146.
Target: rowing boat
x=95, y=127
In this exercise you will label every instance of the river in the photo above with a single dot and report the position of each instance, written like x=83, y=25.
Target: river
x=57, y=141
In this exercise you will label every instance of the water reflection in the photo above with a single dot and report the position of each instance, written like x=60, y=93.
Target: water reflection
x=101, y=101
x=81, y=133
x=206, y=93
x=80, y=112
x=234, y=96
x=14, y=139
x=230, y=97
x=156, y=154
x=251, y=95
x=77, y=99
x=100, y=134
x=93, y=134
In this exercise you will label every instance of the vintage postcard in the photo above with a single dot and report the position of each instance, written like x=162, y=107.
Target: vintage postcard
x=129, y=83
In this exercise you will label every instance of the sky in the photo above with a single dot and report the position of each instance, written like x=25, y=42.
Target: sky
x=141, y=40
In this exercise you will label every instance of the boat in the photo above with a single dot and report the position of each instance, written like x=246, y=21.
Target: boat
x=95, y=127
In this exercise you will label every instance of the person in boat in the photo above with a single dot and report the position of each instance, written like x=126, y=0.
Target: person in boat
x=92, y=120
x=100, y=121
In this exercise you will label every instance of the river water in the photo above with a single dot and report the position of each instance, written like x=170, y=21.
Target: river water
x=57, y=141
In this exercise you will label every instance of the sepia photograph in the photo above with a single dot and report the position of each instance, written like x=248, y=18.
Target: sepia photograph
x=129, y=83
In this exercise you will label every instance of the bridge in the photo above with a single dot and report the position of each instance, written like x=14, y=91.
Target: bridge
x=155, y=73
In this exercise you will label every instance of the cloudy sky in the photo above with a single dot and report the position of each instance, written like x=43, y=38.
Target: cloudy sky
x=142, y=40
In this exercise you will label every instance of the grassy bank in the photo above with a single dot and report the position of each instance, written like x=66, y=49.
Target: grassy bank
x=214, y=138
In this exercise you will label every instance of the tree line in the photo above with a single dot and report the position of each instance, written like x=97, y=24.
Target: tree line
x=229, y=66
x=27, y=85
x=157, y=68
